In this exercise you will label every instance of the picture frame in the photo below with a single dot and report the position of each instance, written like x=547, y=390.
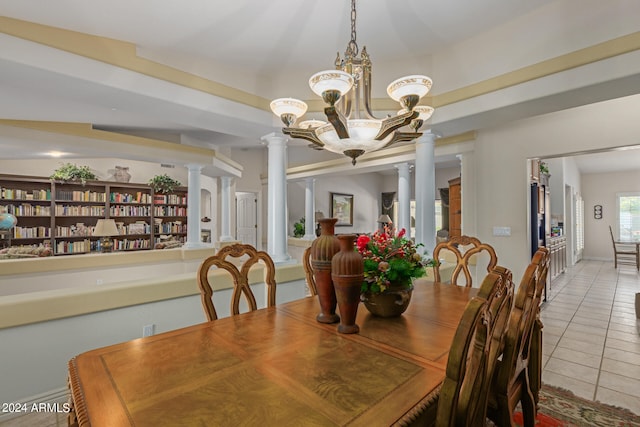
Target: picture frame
x=342, y=209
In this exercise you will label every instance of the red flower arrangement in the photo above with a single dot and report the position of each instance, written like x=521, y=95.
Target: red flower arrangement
x=390, y=258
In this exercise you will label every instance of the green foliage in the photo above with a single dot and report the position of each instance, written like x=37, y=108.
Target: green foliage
x=544, y=168
x=71, y=172
x=163, y=184
x=298, y=228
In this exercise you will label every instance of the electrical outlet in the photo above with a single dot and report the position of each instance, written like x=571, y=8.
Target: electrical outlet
x=148, y=330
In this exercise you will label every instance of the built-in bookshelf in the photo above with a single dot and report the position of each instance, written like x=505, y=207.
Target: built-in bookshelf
x=63, y=214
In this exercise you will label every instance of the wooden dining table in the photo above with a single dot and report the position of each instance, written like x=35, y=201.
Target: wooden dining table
x=274, y=366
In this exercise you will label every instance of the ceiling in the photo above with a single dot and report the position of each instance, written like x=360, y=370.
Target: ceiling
x=245, y=44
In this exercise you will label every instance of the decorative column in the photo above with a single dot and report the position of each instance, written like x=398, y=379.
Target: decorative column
x=277, y=198
x=404, y=198
x=225, y=209
x=193, y=208
x=425, y=184
x=310, y=209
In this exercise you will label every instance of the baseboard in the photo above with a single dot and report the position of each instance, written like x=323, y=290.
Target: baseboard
x=58, y=396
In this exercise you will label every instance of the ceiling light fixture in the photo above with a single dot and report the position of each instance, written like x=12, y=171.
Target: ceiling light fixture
x=353, y=129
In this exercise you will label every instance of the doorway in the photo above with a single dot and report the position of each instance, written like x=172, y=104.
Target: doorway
x=247, y=218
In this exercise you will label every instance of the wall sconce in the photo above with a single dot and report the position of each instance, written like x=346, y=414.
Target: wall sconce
x=597, y=211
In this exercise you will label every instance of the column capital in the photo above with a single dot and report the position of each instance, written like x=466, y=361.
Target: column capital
x=403, y=167
x=428, y=136
x=274, y=138
x=194, y=167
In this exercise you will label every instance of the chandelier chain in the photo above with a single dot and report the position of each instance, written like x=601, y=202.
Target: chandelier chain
x=353, y=46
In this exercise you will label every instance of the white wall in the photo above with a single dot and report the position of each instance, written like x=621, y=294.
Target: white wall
x=601, y=189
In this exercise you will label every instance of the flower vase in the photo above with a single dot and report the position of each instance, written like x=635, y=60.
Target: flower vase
x=347, y=272
x=390, y=303
x=322, y=251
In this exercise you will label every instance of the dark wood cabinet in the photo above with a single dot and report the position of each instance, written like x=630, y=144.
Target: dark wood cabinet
x=455, y=207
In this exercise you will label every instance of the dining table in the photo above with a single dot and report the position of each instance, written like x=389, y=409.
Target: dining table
x=275, y=366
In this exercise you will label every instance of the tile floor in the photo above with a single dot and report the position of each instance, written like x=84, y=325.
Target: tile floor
x=591, y=338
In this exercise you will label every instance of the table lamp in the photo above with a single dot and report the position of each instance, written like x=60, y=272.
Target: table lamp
x=384, y=220
x=106, y=228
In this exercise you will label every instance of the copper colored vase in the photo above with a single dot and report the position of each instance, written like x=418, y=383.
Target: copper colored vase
x=347, y=272
x=322, y=251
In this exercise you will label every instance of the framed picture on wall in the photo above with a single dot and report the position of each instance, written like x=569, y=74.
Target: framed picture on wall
x=342, y=208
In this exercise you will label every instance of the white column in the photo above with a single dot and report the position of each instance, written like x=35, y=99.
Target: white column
x=277, y=198
x=310, y=209
x=425, y=184
x=225, y=209
x=404, y=198
x=193, y=208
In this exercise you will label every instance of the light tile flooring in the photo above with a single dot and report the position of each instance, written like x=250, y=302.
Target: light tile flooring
x=591, y=337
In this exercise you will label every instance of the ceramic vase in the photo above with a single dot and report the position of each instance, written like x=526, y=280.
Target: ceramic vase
x=347, y=272
x=390, y=303
x=322, y=251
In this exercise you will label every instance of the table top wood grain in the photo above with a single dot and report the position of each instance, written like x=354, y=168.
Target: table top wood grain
x=275, y=366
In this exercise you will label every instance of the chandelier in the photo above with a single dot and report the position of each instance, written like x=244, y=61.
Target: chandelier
x=352, y=129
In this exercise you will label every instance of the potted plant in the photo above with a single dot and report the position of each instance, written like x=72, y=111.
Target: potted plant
x=163, y=184
x=391, y=262
x=71, y=172
x=298, y=228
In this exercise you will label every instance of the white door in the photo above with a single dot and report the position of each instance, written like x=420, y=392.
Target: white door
x=246, y=218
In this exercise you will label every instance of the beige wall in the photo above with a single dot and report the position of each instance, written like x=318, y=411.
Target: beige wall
x=501, y=158
x=601, y=189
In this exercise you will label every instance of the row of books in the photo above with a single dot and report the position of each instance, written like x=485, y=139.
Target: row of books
x=170, y=199
x=138, y=197
x=18, y=194
x=66, y=210
x=77, y=247
x=80, y=196
x=169, y=211
x=129, y=210
x=129, y=244
x=31, y=232
x=27, y=209
x=171, y=228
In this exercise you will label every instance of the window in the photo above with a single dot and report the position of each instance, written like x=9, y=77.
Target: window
x=628, y=207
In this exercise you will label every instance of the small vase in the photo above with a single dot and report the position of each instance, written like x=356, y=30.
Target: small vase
x=390, y=303
x=347, y=272
x=322, y=251
x=122, y=174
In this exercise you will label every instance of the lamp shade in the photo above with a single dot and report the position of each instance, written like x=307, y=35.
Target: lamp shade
x=105, y=228
x=291, y=106
x=318, y=215
x=409, y=85
x=331, y=80
x=424, y=112
x=384, y=219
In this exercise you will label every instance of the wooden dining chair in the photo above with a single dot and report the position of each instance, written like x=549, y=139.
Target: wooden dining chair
x=308, y=272
x=625, y=252
x=463, y=248
x=463, y=397
x=535, y=352
x=512, y=381
x=250, y=256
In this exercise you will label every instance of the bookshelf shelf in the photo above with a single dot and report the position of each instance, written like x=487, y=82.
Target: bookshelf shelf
x=63, y=214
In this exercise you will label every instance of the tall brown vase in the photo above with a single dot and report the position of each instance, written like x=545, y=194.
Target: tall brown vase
x=347, y=272
x=322, y=251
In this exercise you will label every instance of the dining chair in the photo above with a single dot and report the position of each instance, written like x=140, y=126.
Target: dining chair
x=625, y=252
x=466, y=250
x=515, y=371
x=250, y=256
x=464, y=394
x=308, y=272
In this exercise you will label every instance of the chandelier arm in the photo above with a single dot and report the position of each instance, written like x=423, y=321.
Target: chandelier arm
x=308, y=134
x=402, y=137
x=390, y=124
x=338, y=121
x=366, y=92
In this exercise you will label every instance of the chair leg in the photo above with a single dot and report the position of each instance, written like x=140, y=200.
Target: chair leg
x=528, y=405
